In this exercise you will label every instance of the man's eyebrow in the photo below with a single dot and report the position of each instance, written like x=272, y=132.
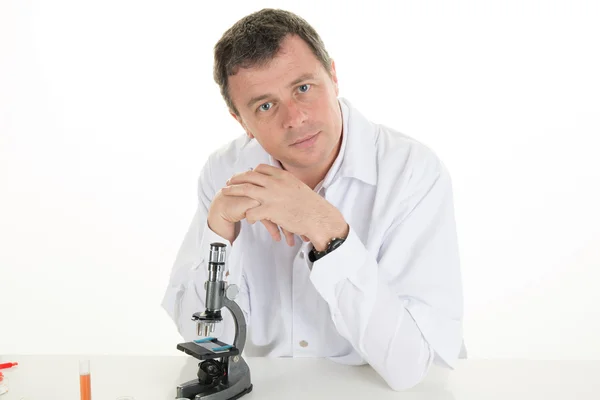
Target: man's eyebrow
x=256, y=99
x=303, y=77
x=294, y=82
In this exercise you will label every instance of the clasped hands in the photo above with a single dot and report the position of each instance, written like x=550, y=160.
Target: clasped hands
x=277, y=199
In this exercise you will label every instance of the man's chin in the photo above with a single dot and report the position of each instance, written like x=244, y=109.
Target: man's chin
x=305, y=163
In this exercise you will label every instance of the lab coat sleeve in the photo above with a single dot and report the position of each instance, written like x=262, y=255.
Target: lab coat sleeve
x=185, y=293
x=401, y=306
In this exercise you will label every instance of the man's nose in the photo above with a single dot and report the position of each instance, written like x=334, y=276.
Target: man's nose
x=294, y=116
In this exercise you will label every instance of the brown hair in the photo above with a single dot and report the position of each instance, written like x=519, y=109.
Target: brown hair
x=255, y=40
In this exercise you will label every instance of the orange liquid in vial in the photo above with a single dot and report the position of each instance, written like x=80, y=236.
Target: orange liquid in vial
x=85, y=387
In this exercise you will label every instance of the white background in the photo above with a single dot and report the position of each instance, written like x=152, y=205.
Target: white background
x=108, y=111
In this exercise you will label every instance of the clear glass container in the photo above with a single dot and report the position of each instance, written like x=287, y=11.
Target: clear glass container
x=85, y=380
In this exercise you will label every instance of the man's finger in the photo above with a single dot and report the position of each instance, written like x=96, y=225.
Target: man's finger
x=270, y=170
x=258, y=213
x=289, y=237
x=253, y=177
x=245, y=190
x=273, y=229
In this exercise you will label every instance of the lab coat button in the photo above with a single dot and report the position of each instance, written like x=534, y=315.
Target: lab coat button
x=303, y=343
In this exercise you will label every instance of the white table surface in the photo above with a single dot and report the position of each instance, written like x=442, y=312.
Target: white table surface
x=156, y=377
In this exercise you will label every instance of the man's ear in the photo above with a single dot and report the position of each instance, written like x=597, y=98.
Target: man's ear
x=239, y=119
x=334, y=77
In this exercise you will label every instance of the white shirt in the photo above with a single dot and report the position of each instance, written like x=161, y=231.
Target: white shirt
x=390, y=295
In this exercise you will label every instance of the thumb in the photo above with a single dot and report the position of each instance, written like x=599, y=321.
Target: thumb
x=255, y=214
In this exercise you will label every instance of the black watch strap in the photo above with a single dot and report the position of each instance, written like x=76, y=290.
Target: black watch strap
x=314, y=255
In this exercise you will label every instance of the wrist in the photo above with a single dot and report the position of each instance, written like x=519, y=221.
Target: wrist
x=225, y=229
x=322, y=239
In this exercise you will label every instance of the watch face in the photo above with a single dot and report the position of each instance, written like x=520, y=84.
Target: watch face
x=335, y=244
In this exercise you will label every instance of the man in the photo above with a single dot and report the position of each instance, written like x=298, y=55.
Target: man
x=369, y=268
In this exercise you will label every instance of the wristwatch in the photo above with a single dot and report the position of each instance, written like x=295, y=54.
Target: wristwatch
x=314, y=255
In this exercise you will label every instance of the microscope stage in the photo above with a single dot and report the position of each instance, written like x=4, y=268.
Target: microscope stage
x=208, y=349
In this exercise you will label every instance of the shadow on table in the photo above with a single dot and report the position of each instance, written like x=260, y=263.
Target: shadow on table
x=433, y=387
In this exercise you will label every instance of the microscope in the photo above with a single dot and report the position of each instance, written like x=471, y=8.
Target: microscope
x=222, y=372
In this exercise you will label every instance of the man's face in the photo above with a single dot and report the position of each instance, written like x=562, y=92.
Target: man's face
x=289, y=99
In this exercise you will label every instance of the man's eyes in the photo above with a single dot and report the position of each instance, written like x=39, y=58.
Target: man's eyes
x=267, y=106
x=304, y=88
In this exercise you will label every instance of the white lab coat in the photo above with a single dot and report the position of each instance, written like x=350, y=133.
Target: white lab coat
x=390, y=296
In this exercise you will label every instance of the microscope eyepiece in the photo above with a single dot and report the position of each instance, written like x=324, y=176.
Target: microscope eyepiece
x=217, y=253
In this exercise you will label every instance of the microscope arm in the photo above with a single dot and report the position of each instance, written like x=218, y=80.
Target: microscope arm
x=239, y=323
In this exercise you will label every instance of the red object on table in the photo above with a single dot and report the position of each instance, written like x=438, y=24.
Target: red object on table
x=8, y=365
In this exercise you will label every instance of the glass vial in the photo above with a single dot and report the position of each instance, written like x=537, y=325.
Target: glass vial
x=85, y=380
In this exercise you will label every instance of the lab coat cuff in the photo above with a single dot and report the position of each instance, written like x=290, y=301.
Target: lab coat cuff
x=193, y=262
x=342, y=263
x=443, y=333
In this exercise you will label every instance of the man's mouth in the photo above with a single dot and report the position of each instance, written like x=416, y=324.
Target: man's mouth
x=305, y=138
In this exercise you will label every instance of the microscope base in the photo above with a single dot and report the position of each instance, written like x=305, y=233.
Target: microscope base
x=194, y=390
x=236, y=384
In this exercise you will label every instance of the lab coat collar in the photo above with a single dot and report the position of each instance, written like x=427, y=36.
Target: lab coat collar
x=360, y=154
